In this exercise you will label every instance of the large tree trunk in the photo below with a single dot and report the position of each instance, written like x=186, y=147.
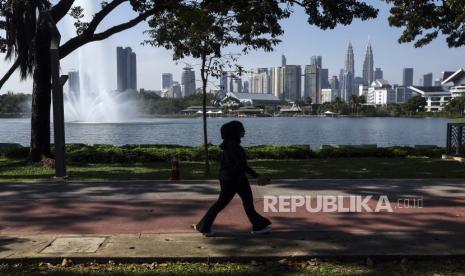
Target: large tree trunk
x=203, y=73
x=41, y=97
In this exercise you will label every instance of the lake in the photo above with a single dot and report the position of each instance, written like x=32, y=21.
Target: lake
x=313, y=131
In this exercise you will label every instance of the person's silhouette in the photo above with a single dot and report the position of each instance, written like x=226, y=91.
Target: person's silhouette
x=233, y=179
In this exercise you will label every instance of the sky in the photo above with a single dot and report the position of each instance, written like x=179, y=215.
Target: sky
x=299, y=43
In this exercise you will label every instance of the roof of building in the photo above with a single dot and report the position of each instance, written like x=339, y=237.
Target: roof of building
x=456, y=75
x=428, y=89
x=380, y=83
x=253, y=96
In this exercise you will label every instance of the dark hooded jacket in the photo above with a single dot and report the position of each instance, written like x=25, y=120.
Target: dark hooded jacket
x=233, y=159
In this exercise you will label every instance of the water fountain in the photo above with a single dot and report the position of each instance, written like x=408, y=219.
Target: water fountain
x=95, y=102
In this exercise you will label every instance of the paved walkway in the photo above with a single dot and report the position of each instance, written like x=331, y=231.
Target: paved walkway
x=147, y=219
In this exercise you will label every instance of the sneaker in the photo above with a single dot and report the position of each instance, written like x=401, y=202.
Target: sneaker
x=206, y=234
x=264, y=230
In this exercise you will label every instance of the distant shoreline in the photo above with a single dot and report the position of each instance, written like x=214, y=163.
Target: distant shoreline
x=182, y=116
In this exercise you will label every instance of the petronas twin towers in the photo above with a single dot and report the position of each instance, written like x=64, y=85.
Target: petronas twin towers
x=348, y=84
x=368, y=67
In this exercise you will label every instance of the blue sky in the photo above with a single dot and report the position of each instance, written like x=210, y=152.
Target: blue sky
x=300, y=42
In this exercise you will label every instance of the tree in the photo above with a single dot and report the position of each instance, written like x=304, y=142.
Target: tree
x=202, y=29
x=27, y=41
x=415, y=104
x=424, y=20
x=456, y=105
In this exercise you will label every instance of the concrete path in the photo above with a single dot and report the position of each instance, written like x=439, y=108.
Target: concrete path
x=151, y=219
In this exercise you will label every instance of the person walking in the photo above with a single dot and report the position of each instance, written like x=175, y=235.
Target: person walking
x=233, y=179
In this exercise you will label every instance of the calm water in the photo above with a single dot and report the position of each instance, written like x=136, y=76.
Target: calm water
x=284, y=130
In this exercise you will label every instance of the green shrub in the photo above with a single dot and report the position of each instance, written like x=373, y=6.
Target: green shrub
x=80, y=153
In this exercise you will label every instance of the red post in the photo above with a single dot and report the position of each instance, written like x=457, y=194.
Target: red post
x=174, y=169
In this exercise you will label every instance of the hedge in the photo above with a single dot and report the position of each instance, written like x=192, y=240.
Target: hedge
x=81, y=153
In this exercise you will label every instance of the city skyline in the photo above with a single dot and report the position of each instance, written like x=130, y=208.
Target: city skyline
x=300, y=42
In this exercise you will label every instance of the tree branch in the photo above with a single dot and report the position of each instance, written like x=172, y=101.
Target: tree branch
x=61, y=9
x=101, y=15
x=83, y=39
x=9, y=73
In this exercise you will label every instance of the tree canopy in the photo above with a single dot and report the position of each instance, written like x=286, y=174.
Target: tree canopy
x=423, y=20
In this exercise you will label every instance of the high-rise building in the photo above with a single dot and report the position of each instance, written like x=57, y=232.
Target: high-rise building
x=348, y=88
x=166, y=80
x=236, y=85
x=358, y=81
x=260, y=81
x=428, y=79
x=286, y=82
x=324, y=78
x=378, y=75
x=316, y=60
x=283, y=60
x=74, y=82
x=188, y=82
x=126, y=69
x=407, y=77
x=368, y=70
x=245, y=87
x=341, y=79
x=224, y=81
x=334, y=84
x=312, y=84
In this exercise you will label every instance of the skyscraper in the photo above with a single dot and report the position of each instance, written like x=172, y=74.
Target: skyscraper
x=245, y=87
x=166, y=80
x=260, y=81
x=312, y=84
x=316, y=60
x=283, y=60
x=368, y=73
x=428, y=79
x=236, y=85
x=286, y=82
x=126, y=69
x=378, y=74
x=224, y=82
x=349, y=73
x=407, y=77
x=74, y=83
x=334, y=83
x=187, y=82
x=324, y=78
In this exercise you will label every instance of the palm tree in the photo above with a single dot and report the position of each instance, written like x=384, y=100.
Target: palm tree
x=28, y=40
x=337, y=104
x=353, y=102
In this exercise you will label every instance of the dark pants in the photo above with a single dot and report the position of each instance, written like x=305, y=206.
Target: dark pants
x=228, y=190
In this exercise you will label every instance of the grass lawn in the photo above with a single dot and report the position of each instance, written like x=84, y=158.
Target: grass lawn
x=313, y=267
x=19, y=170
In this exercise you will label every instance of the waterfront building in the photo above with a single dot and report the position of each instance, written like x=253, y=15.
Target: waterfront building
x=455, y=82
x=249, y=99
x=329, y=95
x=224, y=81
x=380, y=93
x=436, y=96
